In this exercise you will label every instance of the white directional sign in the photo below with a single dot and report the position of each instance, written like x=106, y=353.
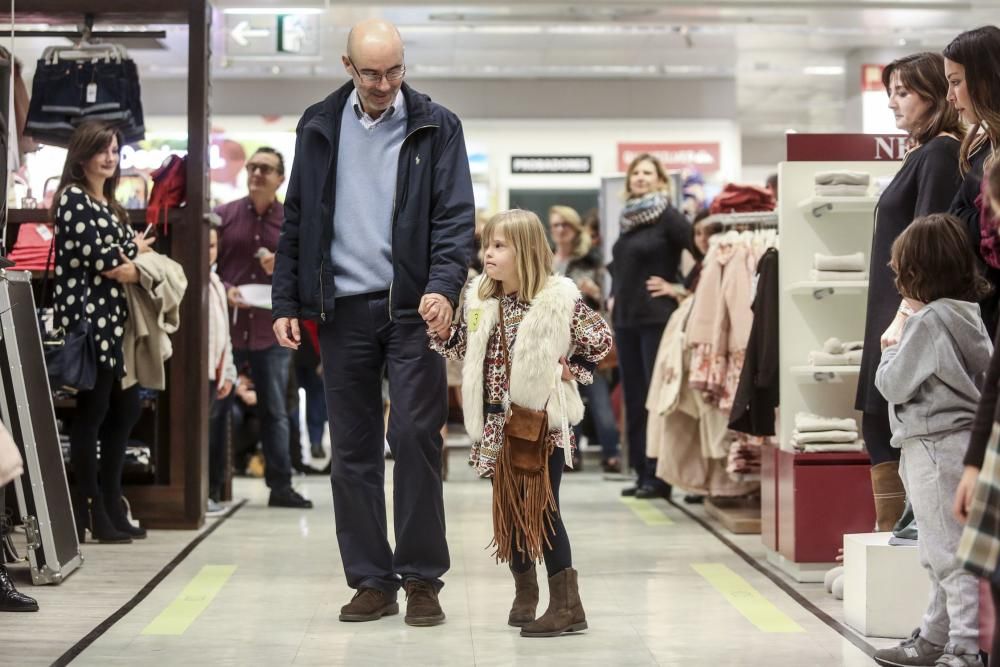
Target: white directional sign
x=272, y=35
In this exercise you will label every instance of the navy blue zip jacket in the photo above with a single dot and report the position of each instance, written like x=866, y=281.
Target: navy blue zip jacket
x=433, y=222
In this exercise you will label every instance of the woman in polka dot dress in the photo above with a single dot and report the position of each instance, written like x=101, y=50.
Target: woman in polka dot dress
x=94, y=252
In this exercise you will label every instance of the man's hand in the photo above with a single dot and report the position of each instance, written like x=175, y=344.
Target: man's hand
x=125, y=273
x=963, y=497
x=286, y=330
x=437, y=313
x=267, y=263
x=224, y=390
x=236, y=299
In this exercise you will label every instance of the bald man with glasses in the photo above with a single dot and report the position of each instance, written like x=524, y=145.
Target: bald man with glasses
x=379, y=223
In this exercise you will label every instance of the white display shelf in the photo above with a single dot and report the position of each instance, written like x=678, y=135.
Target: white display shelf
x=818, y=207
x=822, y=289
x=762, y=218
x=824, y=373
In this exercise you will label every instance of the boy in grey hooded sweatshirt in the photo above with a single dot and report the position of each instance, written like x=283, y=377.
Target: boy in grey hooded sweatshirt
x=932, y=380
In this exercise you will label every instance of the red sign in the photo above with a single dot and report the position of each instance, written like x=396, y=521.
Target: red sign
x=703, y=157
x=871, y=78
x=845, y=147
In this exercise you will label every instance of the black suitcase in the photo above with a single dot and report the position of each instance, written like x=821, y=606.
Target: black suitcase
x=26, y=408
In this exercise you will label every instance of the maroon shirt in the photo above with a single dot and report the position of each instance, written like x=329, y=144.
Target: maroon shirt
x=241, y=233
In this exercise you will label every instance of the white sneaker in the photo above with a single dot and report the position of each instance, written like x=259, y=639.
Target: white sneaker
x=215, y=509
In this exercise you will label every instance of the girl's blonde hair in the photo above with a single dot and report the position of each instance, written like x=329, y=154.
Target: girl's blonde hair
x=581, y=246
x=532, y=255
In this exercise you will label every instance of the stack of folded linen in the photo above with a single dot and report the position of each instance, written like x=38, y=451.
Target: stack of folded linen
x=842, y=183
x=836, y=353
x=814, y=433
x=839, y=267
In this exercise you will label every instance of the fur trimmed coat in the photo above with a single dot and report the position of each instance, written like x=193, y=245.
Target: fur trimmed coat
x=556, y=324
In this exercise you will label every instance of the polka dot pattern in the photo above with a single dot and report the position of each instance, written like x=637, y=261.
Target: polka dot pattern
x=90, y=241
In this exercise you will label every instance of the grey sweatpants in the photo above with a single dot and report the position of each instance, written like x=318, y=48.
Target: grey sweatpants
x=931, y=469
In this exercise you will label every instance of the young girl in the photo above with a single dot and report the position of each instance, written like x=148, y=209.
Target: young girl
x=553, y=340
x=932, y=380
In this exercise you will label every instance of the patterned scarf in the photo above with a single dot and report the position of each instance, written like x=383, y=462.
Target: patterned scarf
x=643, y=210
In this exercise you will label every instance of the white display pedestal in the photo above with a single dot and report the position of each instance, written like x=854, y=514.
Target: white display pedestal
x=885, y=588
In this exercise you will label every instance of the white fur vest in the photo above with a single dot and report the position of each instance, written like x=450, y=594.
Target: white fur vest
x=536, y=374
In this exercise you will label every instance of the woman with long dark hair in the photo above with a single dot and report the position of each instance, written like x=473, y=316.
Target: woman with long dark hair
x=926, y=183
x=94, y=252
x=972, y=67
x=645, y=269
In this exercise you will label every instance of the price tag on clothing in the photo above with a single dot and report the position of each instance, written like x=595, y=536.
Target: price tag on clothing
x=44, y=232
x=91, y=93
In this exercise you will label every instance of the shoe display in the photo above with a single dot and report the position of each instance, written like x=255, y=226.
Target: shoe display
x=422, y=606
x=913, y=652
x=368, y=604
x=289, y=498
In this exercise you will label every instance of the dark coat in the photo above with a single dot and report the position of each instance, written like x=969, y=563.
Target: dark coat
x=433, y=219
x=926, y=183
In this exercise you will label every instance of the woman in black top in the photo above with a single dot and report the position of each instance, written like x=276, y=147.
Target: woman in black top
x=972, y=66
x=94, y=249
x=926, y=183
x=646, y=266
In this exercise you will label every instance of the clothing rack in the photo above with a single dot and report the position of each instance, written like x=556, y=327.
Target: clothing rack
x=758, y=219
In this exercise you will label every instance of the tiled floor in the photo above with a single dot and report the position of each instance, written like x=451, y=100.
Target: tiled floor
x=645, y=603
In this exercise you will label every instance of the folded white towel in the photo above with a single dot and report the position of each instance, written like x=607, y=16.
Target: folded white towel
x=837, y=276
x=843, y=177
x=807, y=422
x=823, y=437
x=856, y=446
x=852, y=262
x=852, y=358
x=836, y=346
x=842, y=190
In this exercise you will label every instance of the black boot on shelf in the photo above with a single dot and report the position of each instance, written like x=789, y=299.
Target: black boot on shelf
x=119, y=518
x=102, y=528
x=10, y=598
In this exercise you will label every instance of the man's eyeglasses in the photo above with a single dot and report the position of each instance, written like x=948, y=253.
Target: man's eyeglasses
x=264, y=169
x=370, y=76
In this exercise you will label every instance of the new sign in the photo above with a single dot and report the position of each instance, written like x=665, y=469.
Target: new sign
x=845, y=147
x=550, y=164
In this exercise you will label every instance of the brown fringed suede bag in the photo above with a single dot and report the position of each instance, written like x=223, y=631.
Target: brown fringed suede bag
x=523, y=503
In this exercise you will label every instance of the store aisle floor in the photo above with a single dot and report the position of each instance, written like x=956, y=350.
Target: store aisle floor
x=266, y=587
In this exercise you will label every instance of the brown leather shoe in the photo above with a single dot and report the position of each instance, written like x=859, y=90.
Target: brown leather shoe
x=565, y=612
x=422, y=606
x=368, y=604
x=525, y=604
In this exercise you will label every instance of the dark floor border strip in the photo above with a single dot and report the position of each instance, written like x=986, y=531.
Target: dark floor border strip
x=124, y=610
x=778, y=581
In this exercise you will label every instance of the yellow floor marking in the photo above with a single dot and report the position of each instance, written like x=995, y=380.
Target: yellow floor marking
x=647, y=511
x=194, y=599
x=754, y=606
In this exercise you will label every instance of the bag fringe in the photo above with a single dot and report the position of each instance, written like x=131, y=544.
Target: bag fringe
x=523, y=510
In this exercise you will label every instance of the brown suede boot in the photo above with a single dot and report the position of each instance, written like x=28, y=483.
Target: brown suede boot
x=368, y=604
x=565, y=612
x=525, y=604
x=890, y=496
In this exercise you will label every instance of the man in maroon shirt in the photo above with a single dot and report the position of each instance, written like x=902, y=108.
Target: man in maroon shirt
x=248, y=238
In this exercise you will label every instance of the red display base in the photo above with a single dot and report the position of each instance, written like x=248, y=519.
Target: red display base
x=810, y=501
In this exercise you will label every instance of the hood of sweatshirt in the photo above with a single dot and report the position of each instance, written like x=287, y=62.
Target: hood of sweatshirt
x=962, y=321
